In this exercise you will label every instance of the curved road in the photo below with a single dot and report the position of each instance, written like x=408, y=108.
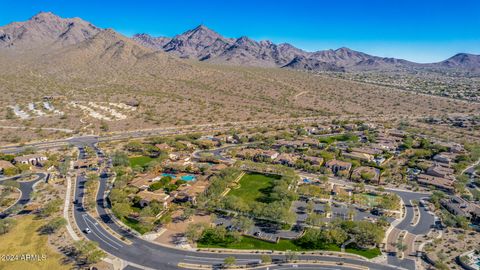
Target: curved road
x=26, y=189
x=151, y=255
x=422, y=227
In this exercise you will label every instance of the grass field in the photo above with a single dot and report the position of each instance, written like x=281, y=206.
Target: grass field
x=283, y=245
x=340, y=138
x=139, y=161
x=254, y=187
x=24, y=239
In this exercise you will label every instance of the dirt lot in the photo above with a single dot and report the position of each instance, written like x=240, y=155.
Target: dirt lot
x=452, y=243
x=175, y=229
x=196, y=93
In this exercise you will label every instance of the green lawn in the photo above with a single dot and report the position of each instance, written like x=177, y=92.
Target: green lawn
x=370, y=200
x=341, y=138
x=283, y=245
x=253, y=243
x=139, y=161
x=254, y=187
x=134, y=224
x=369, y=253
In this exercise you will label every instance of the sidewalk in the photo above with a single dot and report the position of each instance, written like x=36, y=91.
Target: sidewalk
x=67, y=205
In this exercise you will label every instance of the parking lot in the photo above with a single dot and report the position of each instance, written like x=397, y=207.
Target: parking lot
x=270, y=232
x=338, y=211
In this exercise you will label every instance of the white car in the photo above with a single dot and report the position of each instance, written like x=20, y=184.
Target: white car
x=87, y=230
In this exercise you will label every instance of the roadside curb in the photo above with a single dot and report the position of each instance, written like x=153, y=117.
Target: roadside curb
x=292, y=264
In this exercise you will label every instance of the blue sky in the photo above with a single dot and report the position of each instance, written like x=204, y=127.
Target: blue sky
x=420, y=30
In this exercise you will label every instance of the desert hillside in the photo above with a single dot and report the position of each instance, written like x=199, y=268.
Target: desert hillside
x=110, y=68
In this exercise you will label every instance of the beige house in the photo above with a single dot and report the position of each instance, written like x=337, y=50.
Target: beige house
x=146, y=197
x=313, y=160
x=438, y=182
x=358, y=156
x=440, y=171
x=286, y=159
x=144, y=181
x=338, y=166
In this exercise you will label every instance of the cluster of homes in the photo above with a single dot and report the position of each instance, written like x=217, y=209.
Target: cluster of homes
x=178, y=160
x=337, y=167
x=186, y=192
x=440, y=174
x=460, y=207
x=32, y=159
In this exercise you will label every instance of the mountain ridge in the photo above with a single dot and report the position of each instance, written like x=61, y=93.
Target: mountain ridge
x=46, y=31
x=213, y=47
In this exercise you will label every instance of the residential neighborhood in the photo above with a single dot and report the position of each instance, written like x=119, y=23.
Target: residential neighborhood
x=259, y=135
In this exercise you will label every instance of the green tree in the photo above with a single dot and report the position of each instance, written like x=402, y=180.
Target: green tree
x=310, y=206
x=188, y=212
x=462, y=222
x=315, y=219
x=51, y=207
x=53, y=225
x=367, y=234
x=243, y=223
x=6, y=225
x=23, y=168
x=266, y=259
x=10, y=171
x=64, y=166
x=229, y=261
x=121, y=209
x=401, y=246
x=118, y=196
x=194, y=231
x=89, y=251
x=291, y=256
x=120, y=159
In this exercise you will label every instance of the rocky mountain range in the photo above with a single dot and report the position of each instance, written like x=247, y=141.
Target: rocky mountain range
x=45, y=30
x=48, y=32
x=204, y=44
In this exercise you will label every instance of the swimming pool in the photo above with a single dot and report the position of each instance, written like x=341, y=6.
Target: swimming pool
x=183, y=177
x=188, y=178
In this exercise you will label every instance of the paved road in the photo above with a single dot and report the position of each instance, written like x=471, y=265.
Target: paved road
x=422, y=226
x=90, y=139
x=26, y=188
x=148, y=254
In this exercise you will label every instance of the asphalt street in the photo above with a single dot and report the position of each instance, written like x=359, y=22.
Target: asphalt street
x=26, y=187
x=148, y=254
x=153, y=255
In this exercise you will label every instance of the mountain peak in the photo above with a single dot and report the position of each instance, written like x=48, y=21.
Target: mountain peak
x=201, y=27
x=463, y=60
x=148, y=41
x=201, y=30
x=44, y=15
x=45, y=30
x=344, y=49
